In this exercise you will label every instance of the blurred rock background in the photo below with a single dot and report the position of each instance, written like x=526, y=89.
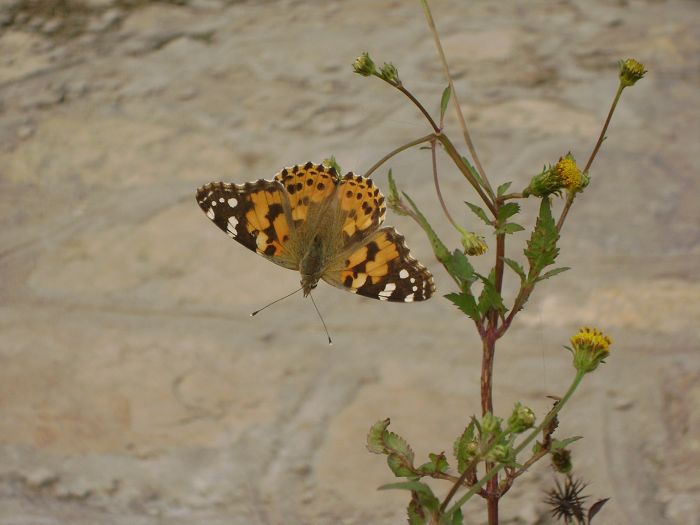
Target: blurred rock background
x=135, y=388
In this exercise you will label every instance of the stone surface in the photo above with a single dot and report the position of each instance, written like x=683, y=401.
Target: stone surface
x=134, y=387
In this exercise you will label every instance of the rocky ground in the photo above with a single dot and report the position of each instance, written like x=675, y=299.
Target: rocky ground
x=135, y=388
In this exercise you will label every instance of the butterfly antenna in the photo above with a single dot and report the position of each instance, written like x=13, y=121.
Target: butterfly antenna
x=330, y=342
x=256, y=312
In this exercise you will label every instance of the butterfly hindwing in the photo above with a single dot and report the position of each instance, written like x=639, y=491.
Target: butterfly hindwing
x=256, y=214
x=381, y=267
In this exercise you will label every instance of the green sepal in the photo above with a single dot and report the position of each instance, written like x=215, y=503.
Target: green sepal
x=437, y=463
x=466, y=303
x=444, y=100
x=552, y=273
x=516, y=267
x=542, y=248
x=563, y=443
x=490, y=298
x=501, y=190
x=479, y=212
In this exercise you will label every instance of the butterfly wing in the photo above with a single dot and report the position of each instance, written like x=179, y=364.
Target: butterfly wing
x=381, y=267
x=308, y=185
x=256, y=214
x=363, y=206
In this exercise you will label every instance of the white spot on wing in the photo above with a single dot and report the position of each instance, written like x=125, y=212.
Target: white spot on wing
x=232, y=223
x=408, y=298
x=403, y=273
x=221, y=199
x=413, y=280
x=415, y=288
x=388, y=289
x=210, y=214
x=232, y=202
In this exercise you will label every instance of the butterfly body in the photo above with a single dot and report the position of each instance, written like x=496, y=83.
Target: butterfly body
x=324, y=226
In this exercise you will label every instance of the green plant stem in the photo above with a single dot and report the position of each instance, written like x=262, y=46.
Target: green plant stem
x=509, y=196
x=433, y=156
x=598, y=144
x=455, y=100
x=398, y=150
x=461, y=165
x=418, y=105
x=493, y=471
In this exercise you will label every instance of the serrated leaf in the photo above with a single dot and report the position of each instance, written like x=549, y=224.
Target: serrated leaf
x=459, y=267
x=501, y=190
x=510, y=227
x=447, y=92
x=398, y=445
x=466, y=303
x=552, y=273
x=563, y=443
x=516, y=267
x=461, y=451
x=375, y=437
x=416, y=516
x=479, y=213
x=490, y=299
x=596, y=508
x=508, y=210
x=399, y=465
x=541, y=250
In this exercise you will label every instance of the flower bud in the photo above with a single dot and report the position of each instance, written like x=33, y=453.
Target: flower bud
x=364, y=65
x=521, y=419
x=590, y=347
x=490, y=424
x=561, y=460
x=472, y=243
x=630, y=71
x=390, y=74
x=502, y=454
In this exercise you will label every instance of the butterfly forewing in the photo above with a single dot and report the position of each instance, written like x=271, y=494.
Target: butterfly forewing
x=363, y=206
x=256, y=214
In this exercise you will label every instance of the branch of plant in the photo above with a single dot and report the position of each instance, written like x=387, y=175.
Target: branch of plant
x=422, y=109
x=510, y=196
x=462, y=166
x=508, y=481
x=495, y=470
x=596, y=148
x=398, y=150
x=433, y=155
x=455, y=100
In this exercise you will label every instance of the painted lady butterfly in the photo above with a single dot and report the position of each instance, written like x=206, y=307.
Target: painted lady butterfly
x=327, y=227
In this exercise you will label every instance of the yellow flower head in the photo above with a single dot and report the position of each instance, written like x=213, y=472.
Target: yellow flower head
x=568, y=173
x=590, y=347
x=631, y=71
x=473, y=244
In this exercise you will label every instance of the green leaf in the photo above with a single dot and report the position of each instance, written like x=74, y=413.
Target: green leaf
x=516, y=267
x=400, y=465
x=447, y=92
x=563, y=443
x=459, y=267
x=375, y=437
x=416, y=516
x=455, y=519
x=393, y=191
x=490, y=299
x=466, y=303
x=501, y=190
x=479, y=213
x=552, y=273
x=439, y=248
x=507, y=210
x=462, y=446
x=414, y=486
x=437, y=463
x=473, y=171
x=541, y=250
x=399, y=445
x=510, y=227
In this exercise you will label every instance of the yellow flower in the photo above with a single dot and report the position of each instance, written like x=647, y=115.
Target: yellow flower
x=590, y=347
x=631, y=71
x=568, y=173
x=473, y=244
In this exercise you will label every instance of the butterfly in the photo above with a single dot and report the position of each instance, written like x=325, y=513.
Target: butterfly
x=310, y=219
